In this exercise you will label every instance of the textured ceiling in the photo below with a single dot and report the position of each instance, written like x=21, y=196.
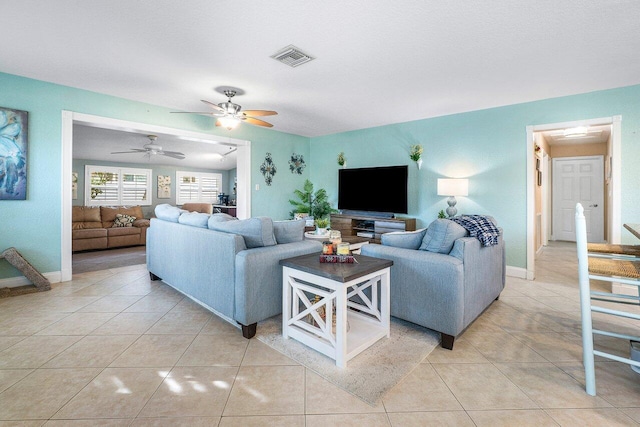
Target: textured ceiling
x=378, y=62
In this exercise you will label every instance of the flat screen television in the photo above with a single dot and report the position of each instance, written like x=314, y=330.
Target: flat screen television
x=379, y=189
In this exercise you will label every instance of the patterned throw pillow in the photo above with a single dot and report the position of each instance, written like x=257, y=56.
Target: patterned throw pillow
x=123, y=220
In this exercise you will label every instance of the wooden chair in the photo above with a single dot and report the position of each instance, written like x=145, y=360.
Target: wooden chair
x=610, y=266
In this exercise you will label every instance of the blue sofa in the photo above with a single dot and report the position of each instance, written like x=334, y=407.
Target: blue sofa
x=441, y=278
x=230, y=266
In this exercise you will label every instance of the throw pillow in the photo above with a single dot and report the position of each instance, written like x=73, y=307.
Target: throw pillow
x=440, y=236
x=257, y=232
x=195, y=219
x=289, y=231
x=122, y=220
x=220, y=217
x=168, y=213
x=404, y=239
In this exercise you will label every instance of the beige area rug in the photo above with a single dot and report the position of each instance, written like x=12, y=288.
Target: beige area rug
x=370, y=374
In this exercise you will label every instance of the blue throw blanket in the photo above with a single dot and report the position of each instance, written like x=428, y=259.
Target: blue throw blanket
x=479, y=227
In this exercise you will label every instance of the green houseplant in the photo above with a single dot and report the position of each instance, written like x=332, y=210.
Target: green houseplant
x=316, y=203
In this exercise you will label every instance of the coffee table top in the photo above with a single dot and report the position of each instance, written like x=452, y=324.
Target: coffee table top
x=339, y=272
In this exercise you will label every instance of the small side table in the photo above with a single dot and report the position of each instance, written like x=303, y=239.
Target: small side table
x=341, y=286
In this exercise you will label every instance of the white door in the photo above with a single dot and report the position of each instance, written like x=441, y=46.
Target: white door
x=578, y=180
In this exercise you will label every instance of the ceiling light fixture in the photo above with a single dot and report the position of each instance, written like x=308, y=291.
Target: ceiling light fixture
x=228, y=122
x=575, y=132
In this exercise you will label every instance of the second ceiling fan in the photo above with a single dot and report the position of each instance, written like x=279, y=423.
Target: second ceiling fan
x=231, y=114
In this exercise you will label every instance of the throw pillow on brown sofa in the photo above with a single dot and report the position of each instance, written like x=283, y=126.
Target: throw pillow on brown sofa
x=123, y=220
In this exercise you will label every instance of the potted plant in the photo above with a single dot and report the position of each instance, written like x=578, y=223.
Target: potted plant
x=321, y=225
x=415, y=153
x=342, y=160
x=316, y=203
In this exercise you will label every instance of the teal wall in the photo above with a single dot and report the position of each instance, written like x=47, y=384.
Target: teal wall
x=79, y=164
x=489, y=148
x=33, y=226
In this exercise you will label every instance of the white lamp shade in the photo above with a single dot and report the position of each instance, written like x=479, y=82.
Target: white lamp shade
x=453, y=187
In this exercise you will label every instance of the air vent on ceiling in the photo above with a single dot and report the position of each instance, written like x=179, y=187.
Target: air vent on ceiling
x=292, y=56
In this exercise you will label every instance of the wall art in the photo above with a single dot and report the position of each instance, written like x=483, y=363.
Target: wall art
x=164, y=187
x=14, y=126
x=268, y=169
x=74, y=185
x=296, y=163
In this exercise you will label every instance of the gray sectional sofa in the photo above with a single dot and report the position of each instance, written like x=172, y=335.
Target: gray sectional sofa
x=441, y=278
x=230, y=266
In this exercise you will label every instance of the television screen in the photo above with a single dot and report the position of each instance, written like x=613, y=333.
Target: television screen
x=380, y=189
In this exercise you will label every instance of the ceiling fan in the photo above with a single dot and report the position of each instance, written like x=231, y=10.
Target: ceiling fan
x=152, y=149
x=230, y=115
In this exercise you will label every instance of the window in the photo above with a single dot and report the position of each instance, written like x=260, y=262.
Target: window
x=110, y=186
x=198, y=187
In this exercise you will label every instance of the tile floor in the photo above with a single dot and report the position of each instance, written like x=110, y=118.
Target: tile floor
x=111, y=348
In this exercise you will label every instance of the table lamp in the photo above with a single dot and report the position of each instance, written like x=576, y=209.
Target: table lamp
x=453, y=187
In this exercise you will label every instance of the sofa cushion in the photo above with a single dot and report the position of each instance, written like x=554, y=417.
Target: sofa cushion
x=84, y=217
x=167, y=212
x=257, y=232
x=220, y=217
x=122, y=220
x=122, y=231
x=195, y=219
x=141, y=223
x=289, y=231
x=404, y=239
x=108, y=213
x=440, y=236
x=89, y=233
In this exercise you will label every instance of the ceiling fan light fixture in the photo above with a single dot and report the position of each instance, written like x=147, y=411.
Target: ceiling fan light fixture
x=228, y=122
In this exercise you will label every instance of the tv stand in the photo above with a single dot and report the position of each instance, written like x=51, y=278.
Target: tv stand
x=369, y=226
x=389, y=215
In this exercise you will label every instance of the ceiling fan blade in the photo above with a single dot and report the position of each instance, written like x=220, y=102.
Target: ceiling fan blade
x=191, y=112
x=178, y=156
x=258, y=112
x=173, y=152
x=214, y=106
x=133, y=150
x=257, y=122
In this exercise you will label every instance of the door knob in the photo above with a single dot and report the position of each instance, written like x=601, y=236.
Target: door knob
x=593, y=206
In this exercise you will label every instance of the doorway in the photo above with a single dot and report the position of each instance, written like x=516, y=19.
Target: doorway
x=578, y=180
x=537, y=215
x=70, y=118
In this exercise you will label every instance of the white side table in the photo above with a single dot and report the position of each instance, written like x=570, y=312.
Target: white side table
x=337, y=285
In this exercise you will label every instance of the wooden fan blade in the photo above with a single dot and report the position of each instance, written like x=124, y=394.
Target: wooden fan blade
x=176, y=153
x=133, y=150
x=258, y=112
x=173, y=154
x=212, y=105
x=191, y=112
x=257, y=122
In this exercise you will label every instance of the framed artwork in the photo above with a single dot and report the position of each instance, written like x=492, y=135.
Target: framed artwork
x=539, y=178
x=14, y=125
x=74, y=185
x=164, y=186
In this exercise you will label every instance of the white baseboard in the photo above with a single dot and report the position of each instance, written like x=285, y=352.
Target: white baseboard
x=14, y=282
x=519, y=272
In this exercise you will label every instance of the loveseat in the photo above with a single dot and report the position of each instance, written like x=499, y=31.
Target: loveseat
x=107, y=227
x=230, y=266
x=441, y=278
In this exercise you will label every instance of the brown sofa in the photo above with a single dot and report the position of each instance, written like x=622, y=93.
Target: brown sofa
x=92, y=228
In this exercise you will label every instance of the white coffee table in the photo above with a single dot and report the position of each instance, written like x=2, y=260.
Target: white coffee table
x=337, y=285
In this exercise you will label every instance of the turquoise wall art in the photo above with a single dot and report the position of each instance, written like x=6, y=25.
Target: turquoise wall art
x=13, y=154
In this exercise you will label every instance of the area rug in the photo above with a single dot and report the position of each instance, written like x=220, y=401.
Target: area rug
x=370, y=374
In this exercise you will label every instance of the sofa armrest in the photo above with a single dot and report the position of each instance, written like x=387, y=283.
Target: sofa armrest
x=258, y=279
x=142, y=222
